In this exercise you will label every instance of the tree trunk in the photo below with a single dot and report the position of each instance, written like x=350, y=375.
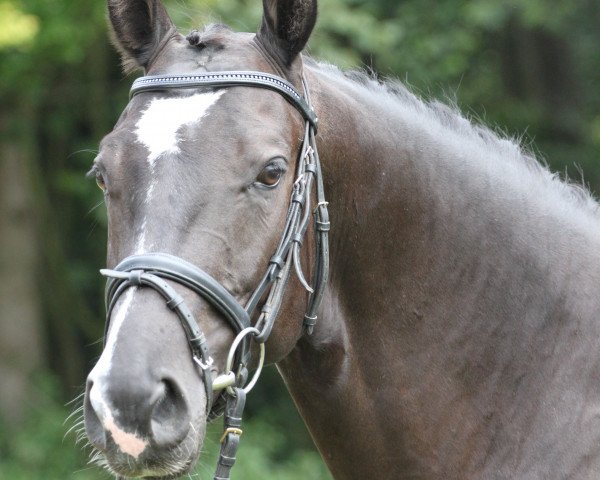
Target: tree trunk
x=21, y=323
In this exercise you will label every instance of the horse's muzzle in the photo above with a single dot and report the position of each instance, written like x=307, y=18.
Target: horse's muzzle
x=135, y=416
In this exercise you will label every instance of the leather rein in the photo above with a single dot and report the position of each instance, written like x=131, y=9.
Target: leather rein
x=154, y=270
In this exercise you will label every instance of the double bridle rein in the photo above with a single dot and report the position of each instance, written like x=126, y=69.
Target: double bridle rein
x=154, y=269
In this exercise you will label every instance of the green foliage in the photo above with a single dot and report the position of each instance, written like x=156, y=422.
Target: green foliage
x=275, y=444
x=16, y=27
x=260, y=455
x=40, y=448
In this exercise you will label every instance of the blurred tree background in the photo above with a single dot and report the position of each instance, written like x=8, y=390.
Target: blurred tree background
x=529, y=68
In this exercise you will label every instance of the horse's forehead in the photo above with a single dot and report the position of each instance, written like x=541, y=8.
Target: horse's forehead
x=220, y=50
x=154, y=124
x=157, y=124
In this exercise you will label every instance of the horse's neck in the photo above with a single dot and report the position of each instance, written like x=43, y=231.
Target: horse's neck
x=455, y=295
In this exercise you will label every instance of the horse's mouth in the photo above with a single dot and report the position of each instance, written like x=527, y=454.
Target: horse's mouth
x=152, y=465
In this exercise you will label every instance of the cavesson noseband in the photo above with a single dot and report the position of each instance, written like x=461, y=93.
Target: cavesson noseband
x=154, y=269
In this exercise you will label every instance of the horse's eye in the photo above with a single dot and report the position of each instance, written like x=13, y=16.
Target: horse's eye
x=270, y=175
x=100, y=181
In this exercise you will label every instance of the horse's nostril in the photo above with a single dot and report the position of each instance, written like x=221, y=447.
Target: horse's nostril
x=93, y=424
x=131, y=414
x=170, y=418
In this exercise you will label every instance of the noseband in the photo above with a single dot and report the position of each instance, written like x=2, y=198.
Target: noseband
x=154, y=269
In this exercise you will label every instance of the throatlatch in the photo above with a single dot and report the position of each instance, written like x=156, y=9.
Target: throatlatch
x=153, y=269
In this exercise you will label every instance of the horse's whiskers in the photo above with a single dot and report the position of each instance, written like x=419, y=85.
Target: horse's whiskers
x=78, y=397
x=74, y=428
x=95, y=457
x=78, y=425
x=78, y=410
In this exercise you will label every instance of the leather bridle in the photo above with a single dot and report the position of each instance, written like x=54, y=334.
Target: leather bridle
x=154, y=269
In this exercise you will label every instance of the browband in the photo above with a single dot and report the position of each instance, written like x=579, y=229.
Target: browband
x=227, y=79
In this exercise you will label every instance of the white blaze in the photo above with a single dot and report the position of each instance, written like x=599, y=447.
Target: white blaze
x=128, y=443
x=102, y=368
x=157, y=129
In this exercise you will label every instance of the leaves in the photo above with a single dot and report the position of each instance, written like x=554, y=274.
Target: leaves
x=17, y=28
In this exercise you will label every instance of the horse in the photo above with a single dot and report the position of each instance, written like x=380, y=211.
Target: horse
x=443, y=318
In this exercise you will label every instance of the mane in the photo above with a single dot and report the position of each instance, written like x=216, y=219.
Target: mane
x=451, y=118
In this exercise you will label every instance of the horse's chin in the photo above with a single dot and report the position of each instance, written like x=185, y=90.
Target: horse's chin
x=157, y=469
x=155, y=464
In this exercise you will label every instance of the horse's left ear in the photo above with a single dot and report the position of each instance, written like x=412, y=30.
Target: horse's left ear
x=286, y=27
x=139, y=27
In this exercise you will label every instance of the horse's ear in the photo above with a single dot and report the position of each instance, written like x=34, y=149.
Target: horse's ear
x=139, y=27
x=286, y=27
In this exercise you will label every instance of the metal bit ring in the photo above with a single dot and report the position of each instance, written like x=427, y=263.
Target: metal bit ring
x=231, y=356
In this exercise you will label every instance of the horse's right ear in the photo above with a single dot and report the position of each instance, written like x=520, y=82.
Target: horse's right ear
x=139, y=27
x=286, y=27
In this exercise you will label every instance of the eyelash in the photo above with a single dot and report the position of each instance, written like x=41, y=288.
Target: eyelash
x=96, y=174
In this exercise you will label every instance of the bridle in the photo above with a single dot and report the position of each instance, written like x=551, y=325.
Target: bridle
x=154, y=269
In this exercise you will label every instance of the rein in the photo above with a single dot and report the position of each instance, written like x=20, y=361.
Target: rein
x=154, y=269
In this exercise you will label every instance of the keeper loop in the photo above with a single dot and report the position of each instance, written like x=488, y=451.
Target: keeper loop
x=297, y=238
x=319, y=205
x=310, y=168
x=198, y=340
x=322, y=226
x=174, y=301
x=277, y=260
x=298, y=198
x=233, y=421
x=135, y=277
x=227, y=461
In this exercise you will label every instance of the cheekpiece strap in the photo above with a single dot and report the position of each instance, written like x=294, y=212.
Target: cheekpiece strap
x=230, y=439
x=227, y=79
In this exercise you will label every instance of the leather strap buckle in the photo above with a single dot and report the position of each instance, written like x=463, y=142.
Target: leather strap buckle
x=233, y=430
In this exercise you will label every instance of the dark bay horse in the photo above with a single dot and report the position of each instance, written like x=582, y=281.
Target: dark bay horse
x=458, y=333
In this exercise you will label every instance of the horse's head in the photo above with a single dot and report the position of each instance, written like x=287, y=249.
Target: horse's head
x=204, y=175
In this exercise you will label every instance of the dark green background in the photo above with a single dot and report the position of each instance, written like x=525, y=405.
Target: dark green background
x=529, y=69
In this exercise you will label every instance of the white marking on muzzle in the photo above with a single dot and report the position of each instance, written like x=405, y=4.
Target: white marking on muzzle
x=157, y=131
x=128, y=443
